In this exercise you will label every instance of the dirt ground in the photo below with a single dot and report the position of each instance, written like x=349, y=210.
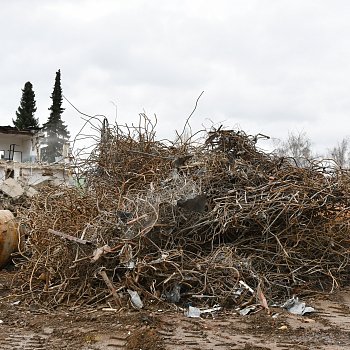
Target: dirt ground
x=30, y=327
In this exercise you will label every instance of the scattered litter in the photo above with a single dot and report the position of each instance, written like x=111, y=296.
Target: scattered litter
x=247, y=310
x=211, y=310
x=135, y=299
x=297, y=307
x=283, y=328
x=193, y=312
x=197, y=312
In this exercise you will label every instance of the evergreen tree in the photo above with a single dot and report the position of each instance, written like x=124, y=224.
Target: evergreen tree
x=56, y=133
x=25, y=113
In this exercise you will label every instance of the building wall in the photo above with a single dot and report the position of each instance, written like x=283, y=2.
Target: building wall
x=23, y=147
x=25, y=167
x=35, y=174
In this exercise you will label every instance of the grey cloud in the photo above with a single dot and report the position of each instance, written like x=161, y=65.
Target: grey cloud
x=269, y=66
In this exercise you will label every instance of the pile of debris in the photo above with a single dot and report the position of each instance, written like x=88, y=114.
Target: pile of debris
x=14, y=194
x=21, y=181
x=201, y=223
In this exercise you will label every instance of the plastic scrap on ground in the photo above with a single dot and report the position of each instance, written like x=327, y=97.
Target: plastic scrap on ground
x=297, y=307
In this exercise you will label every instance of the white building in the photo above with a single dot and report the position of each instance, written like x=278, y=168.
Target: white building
x=20, y=158
x=18, y=145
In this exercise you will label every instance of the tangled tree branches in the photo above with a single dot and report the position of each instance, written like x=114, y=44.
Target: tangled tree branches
x=208, y=222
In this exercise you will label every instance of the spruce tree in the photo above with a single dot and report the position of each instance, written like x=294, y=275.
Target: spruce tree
x=56, y=133
x=25, y=113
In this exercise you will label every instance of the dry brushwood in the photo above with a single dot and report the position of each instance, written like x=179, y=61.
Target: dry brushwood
x=205, y=222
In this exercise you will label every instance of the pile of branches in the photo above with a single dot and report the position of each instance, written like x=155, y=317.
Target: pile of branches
x=206, y=222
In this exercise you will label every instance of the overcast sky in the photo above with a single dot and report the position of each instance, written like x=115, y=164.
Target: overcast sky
x=269, y=66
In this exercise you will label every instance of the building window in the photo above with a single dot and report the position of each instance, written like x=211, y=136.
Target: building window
x=2, y=154
x=10, y=173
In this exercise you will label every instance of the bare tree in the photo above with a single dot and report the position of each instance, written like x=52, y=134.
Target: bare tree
x=298, y=147
x=340, y=153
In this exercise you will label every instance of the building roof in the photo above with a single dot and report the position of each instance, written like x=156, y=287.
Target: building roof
x=13, y=130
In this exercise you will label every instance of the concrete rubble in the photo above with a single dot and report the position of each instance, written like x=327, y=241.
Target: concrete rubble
x=11, y=188
x=15, y=194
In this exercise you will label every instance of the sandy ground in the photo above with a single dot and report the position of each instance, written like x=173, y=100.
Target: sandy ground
x=29, y=327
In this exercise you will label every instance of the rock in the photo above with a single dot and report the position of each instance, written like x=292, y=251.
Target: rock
x=30, y=192
x=8, y=236
x=48, y=330
x=11, y=188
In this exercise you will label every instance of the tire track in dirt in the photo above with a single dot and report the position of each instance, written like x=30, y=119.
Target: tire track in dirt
x=204, y=334
x=64, y=338
x=257, y=332
x=23, y=341
x=326, y=329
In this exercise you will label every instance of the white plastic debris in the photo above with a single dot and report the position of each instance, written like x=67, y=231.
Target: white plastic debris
x=135, y=299
x=297, y=307
x=193, y=312
x=196, y=312
x=211, y=310
x=247, y=310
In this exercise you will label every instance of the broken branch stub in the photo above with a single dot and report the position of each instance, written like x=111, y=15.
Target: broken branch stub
x=68, y=237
